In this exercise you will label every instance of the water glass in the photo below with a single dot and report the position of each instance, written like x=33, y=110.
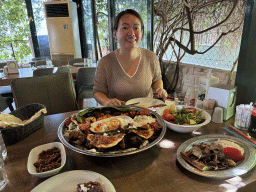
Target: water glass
x=3, y=148
x=243, y=116
x=180, y=97
x=89, y=62
x=3, y=180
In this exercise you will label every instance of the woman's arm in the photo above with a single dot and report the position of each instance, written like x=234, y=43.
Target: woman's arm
x=102, y=99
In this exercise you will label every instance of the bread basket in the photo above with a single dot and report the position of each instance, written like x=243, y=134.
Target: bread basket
x=15, y=134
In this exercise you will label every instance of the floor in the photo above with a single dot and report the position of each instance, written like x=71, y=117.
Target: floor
x=87, y=104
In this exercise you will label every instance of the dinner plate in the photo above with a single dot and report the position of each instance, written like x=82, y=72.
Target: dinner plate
x=144, y=102
x=67, y=181
x=242, y=167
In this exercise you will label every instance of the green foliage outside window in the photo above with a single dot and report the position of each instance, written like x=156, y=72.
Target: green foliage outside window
x=15, y=32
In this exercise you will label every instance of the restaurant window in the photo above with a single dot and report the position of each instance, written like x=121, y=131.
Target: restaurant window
x=15, y=41
x=88, y=29
x=41, y=28
x=102, y=29
x=223, y=54
x=143, y=7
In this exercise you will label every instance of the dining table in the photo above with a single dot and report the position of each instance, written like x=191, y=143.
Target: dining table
x=154, y=169
x=5, y=80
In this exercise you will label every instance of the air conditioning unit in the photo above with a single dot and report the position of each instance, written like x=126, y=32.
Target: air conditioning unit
x=63, y=30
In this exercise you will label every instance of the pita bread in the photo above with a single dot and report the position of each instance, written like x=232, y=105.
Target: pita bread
x=145, y=133
x=8, y=120
x=102, y=141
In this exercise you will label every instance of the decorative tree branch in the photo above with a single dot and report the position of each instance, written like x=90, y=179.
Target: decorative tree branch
x=200, y=17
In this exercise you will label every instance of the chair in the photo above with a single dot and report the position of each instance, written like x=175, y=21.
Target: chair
x=6, y=102
x=56, y=92
x=42, y=71
x=63, y=70
x=41, y=62
x=6, y=93
x=57, y=63
x=84, y=84
x=2, y=64
x=75, y=60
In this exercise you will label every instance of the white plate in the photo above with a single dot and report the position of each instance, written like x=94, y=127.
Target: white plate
x=67, y=181
x=144, y=102
x=242, y=167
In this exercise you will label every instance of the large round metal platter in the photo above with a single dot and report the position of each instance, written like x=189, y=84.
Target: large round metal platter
x=159, y=119
x=242, y=167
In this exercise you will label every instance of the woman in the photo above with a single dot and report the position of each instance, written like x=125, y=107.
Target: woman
x=129, y=72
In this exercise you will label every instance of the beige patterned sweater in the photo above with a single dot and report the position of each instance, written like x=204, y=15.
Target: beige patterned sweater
x=114, y=82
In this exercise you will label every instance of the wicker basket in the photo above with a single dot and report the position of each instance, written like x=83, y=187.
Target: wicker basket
x=15, y=134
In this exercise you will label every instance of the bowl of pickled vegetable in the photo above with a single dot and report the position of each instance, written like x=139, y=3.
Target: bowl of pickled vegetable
x=184, y=119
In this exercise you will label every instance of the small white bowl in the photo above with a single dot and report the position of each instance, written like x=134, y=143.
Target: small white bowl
x=33, y=157
x=185, y=128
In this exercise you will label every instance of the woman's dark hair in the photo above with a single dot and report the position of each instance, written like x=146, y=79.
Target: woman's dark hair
x=128, y=12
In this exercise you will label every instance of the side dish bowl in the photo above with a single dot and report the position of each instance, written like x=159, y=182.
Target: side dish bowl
x=185, y=128
x=33, y=157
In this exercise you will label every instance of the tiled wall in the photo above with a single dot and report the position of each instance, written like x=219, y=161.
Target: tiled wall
x=189, y=75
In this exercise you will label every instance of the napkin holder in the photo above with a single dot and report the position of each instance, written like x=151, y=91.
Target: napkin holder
x=225, y=96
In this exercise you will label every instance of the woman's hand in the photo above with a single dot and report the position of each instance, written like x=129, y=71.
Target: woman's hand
x=112, y=102
x=161, y=93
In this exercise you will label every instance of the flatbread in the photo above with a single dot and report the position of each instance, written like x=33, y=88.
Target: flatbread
x=145, y=133
x=8, y=120
x=102, y=141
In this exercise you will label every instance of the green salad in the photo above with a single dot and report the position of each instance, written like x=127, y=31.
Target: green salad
x=188, y=116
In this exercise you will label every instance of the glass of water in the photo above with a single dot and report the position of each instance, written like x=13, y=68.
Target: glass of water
x=3, y=180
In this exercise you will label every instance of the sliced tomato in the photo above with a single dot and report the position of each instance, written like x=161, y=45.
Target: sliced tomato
x=233, y=153
x=191, y=109
x=168, y=117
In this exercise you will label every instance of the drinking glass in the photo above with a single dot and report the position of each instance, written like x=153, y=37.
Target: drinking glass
x=3, y=148
x=3, y=180
x=180, y=97
x=89, y=62
x=85, y=62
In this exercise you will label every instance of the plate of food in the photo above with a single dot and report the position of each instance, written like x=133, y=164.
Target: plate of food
x=112, y=131
x=216, y=156
x=76, y=181
x=146, y=102
x=184, y=119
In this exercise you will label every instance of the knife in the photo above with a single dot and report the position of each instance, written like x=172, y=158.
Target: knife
x=239, y=136
x=242, y=134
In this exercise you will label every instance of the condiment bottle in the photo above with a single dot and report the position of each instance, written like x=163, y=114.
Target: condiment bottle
x=204, y=83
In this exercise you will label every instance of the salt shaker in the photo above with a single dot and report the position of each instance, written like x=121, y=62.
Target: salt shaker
x=3, y=180
x=217, y=116
x=3, y=148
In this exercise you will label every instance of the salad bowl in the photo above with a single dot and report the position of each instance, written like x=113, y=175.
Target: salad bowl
x=185, y=128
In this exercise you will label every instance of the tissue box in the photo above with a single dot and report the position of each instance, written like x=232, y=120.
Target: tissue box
x=225, y=96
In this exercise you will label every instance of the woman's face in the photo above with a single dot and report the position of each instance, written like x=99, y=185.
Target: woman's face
x=129, y=32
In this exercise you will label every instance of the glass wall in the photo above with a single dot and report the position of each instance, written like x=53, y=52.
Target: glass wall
x=14, y=31
x=88, y=28
x=143, y=8
x=41, y=28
